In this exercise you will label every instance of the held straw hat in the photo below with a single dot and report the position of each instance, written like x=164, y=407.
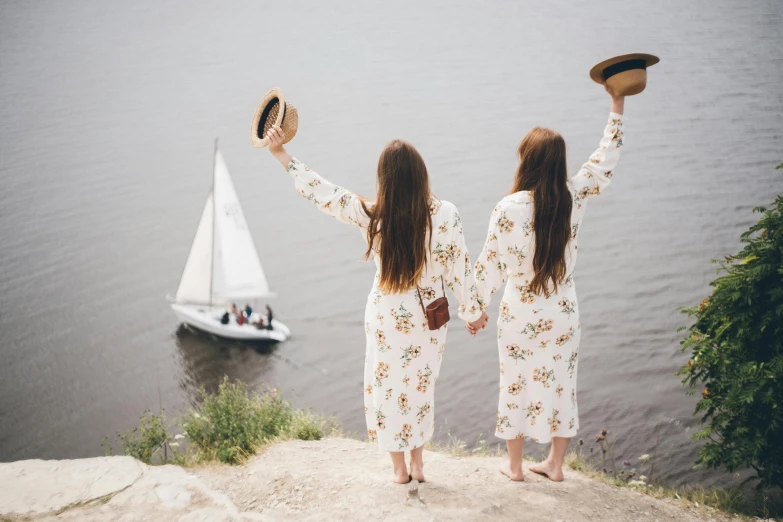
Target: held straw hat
x=273, y=110
x=626, y=75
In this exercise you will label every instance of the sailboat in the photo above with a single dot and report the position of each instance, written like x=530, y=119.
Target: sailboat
x=223, y=267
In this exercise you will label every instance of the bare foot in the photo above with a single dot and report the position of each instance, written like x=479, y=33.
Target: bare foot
x=555, y=474
x=513, y=475
x=417, y=472
x=401, y=477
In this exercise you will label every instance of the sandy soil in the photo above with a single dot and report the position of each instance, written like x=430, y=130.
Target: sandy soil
x=333, y=479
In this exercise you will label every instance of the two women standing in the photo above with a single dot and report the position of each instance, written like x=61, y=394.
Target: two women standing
x=418, y=246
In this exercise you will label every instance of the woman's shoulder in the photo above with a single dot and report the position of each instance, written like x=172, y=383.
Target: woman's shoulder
x=444, y=214
x=442, y=208
x=515, y=200
x=441, y=205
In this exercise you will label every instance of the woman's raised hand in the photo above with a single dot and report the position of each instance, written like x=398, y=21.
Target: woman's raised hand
x=478, y=324
x=275, y=135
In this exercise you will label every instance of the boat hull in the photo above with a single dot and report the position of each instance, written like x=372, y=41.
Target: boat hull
x=208, y=320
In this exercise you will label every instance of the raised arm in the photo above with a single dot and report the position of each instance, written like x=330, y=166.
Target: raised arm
x=597, y=172
x=453, y=254
x=341, y=204
x=490, y=269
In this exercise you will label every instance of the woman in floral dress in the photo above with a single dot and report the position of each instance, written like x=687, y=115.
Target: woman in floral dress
x=531, y=246
x=423, y=251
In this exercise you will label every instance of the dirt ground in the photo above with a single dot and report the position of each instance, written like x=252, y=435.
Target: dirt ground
x=333, y=479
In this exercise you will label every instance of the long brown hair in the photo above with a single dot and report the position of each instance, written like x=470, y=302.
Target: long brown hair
x=400, y=221
x=542, y=171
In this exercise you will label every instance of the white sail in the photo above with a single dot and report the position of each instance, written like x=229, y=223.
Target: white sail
x=237, y=271
x=194, y=285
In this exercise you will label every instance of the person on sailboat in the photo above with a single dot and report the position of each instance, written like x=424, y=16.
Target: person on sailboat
x=268, y=317
x=248, y=311
x=225, y=318
x=418, y=246
x=260, y=324
x=235, y=310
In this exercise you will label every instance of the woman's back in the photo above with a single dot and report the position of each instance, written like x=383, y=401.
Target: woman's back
x=516, y=237
x=447, y=261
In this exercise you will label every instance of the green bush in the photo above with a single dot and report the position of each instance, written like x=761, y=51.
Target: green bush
x=229, y=426
x=233, y=423
x=149, y=440
x=736, y=356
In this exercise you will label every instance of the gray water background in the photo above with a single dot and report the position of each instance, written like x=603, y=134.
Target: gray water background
x=107, y=116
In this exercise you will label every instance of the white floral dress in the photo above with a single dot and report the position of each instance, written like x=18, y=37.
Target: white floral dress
x=403, y=357
x=538, y=337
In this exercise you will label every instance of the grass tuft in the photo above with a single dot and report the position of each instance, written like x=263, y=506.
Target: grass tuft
x=228, y=426
x=730, y=500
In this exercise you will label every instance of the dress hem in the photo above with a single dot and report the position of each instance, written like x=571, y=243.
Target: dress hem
x=384, y=450
x=567, y=434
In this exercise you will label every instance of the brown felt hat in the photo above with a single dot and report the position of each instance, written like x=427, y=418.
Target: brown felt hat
x=626, y=75
x=273, y=110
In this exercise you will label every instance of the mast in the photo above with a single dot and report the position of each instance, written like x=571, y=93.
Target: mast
x=212, y=268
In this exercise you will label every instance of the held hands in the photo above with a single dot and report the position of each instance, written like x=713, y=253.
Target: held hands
x=275, y=136
x=478, y=324
x=618, y=102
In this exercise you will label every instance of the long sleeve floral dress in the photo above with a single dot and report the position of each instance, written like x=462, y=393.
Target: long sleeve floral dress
x=403, y=357
x=538, y=337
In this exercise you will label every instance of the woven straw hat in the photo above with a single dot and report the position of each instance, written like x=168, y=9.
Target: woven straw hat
x=626, y=74
x=273, y=110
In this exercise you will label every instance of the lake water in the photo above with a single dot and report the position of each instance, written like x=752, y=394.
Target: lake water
x=108, y=113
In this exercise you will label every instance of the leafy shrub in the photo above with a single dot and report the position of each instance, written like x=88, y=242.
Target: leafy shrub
x=149, y=441
x=736, y=356
x=233, y=423
x=229, y=426
x=306, y=426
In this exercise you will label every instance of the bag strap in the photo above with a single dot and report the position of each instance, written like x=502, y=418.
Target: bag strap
x=421, y=301
x=418, y=292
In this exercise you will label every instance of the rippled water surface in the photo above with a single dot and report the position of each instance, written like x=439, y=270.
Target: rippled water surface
x=107, y=116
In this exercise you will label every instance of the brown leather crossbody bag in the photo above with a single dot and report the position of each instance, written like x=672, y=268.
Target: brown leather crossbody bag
x=437, y=312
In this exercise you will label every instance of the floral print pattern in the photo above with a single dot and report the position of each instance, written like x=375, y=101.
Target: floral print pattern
x=538, y=336
x=503, y=422
x=402, y=402
x=424, y=379
x=517, y=353
x=403, y=320
x=410, y=353
x=534, y=330
x=533, y=411
x=404, y=436
x=402, y=356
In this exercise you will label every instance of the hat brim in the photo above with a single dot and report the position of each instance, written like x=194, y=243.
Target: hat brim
x=286, y=118
x=597, y=72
